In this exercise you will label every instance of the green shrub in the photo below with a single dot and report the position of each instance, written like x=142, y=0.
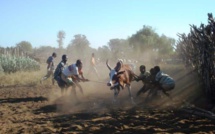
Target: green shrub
x=11, y=64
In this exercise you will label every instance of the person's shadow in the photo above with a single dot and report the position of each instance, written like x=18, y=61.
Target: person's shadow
x=18, y=100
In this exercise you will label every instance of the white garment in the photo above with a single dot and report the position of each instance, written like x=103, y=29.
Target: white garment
x=71, y=70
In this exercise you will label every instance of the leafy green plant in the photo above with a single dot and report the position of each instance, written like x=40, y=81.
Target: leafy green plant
x=11, y=64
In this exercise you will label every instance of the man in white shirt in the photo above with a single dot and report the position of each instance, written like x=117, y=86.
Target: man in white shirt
x=71, y=74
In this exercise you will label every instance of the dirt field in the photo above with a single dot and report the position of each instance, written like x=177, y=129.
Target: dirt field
x=42, y=109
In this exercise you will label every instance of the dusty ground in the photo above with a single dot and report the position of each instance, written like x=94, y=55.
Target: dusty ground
x=41, y=109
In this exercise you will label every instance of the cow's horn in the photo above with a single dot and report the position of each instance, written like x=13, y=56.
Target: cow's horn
x=108, y=65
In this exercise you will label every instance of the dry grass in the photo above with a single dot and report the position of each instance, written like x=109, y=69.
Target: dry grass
x=24, y=78
x=187, y=84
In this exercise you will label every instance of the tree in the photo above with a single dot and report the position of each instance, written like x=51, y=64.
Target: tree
x=118, y=47
x=144, y=39
x=43, y=52
x=104, y=53
x=165, y=45
x=79, y=46
x=25, y=46
x=147, y=39
x=60, y=36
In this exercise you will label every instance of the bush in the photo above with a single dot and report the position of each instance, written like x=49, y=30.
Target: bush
x=11, y=64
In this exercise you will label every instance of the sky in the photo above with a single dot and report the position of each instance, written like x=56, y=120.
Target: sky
x=39, y=21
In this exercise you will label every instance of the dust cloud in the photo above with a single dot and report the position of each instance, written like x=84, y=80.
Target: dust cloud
x=98, y=96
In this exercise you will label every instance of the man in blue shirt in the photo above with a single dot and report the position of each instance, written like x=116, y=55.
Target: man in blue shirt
x=50, y=68
x=163, y=81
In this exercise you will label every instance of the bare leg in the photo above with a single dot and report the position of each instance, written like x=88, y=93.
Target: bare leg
x=130, y=95
x=62, y=91
x=89, y=70
x=150, y=94
x=116, y=92
x=95, y=70
x=49, y=73
x=53, y=81
x=142, y=90
x=167, y=94
x=79, y=86
x=74, y=90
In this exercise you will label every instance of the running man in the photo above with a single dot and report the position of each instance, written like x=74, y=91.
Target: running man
x=50, y=68
x=92, y=67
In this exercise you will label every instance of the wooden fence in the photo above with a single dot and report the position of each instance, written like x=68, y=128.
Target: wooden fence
x=197, y=49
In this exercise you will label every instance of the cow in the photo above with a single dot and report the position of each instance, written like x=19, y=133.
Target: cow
x=122, y=75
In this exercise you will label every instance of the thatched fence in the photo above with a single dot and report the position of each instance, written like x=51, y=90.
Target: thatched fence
x=13, y=51
x=197, y=49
